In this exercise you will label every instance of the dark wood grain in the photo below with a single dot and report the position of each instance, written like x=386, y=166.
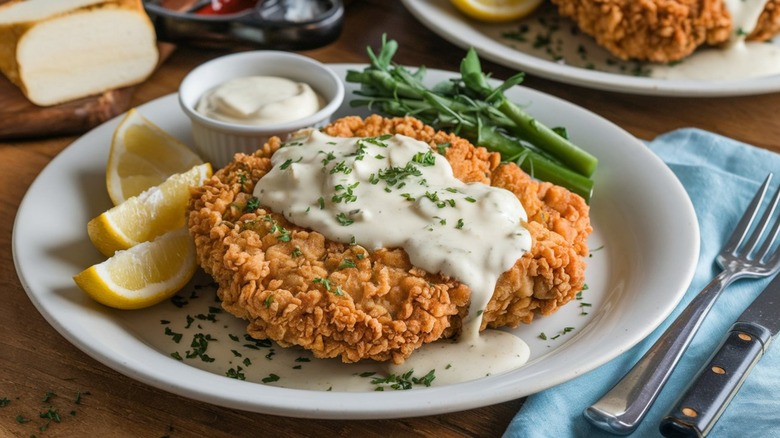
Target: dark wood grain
x=35, y=359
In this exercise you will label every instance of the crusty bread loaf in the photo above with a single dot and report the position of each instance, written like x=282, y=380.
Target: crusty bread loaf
x=61, y=50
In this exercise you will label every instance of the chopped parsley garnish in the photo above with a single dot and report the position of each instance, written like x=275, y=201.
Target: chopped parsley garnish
x=342, y=168
x=344, y=220
x=253, y=204
x=284, y=233
x=378, y=141
x=460, y=224
x=268, y=300
x=200, y=343
x=347, y=263
x=425, y=159
x=52, y=415
x=175, y=336
x=403, y=381
x=286, y=164
x=334, y=289
x=297, y=252
x=271, y=378
x=236, y=373
x=328, y=158
x=392, y=175
x=179, y=301
x=347, y=195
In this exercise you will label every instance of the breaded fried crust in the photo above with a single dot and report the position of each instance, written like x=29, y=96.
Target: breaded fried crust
x=340, y=300
x=661, y=30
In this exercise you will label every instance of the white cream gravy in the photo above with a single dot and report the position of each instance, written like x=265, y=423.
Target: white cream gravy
x=394, y=191
x=738, y=59
x=259, y=100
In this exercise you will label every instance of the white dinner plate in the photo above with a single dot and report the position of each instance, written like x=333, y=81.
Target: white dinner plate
x=644, y=250
x=545, y=45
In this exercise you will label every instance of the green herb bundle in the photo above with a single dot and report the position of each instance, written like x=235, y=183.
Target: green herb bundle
x=473, y=109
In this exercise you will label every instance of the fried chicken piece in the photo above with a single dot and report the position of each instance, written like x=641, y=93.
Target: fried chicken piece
x=297, y=288
x=661, y=30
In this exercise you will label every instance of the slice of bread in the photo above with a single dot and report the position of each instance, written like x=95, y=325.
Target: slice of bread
x=61, y=50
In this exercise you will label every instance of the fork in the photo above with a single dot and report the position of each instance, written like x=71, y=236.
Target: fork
x=622, y=408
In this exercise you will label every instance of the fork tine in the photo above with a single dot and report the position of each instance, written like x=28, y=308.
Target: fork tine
x=746, y=222
x=752, y=243
x=773, y=234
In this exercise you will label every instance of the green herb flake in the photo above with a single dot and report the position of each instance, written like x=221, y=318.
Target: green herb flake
x=346, y=264
x=51, y=415
x=344, y=220
x=176, y=337
x=297, y=252
x=286, y=164
x=425, y=159
x=252, y=204
x=271, y=378
x=403, y=381
x=236, y=373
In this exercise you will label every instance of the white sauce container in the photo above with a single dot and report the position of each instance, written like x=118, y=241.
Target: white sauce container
x=218, y=141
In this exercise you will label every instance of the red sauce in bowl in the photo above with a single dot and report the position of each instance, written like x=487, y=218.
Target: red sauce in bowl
x=225, y=7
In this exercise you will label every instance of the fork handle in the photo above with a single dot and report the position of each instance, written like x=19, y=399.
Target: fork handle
x=624, y=406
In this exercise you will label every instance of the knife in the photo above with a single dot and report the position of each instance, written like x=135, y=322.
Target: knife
x=718, y=381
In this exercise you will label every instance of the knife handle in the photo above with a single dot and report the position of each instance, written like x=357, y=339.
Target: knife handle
x=717, y=382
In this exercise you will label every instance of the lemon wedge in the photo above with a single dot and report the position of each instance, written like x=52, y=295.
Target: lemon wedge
x=496, y=10
x=143, y=155
x=150, y=214
x=143, y=275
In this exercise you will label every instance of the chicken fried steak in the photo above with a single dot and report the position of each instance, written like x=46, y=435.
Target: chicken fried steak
x=663, y=30
x=296, y=287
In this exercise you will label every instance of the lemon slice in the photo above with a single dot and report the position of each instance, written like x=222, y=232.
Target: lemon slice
x=142, y=156
x=143, y=275
x=148, y=215
x=497, y=10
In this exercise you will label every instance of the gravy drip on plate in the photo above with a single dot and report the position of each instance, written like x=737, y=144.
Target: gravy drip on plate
x=738, y=59
x=395, y=192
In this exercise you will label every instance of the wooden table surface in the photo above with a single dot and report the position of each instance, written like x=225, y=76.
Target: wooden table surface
x=40, y=369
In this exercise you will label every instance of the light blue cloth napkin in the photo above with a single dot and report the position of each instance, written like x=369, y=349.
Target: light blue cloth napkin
x=721, y=176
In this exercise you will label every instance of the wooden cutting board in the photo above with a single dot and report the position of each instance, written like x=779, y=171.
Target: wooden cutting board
x=20, y=118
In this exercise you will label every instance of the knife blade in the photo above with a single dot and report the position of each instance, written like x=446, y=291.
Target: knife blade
x=719, y=380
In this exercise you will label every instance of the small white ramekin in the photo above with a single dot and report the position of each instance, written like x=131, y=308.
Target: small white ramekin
x=218, y=141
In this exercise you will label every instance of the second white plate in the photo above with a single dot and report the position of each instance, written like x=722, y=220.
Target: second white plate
x=547, y=46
